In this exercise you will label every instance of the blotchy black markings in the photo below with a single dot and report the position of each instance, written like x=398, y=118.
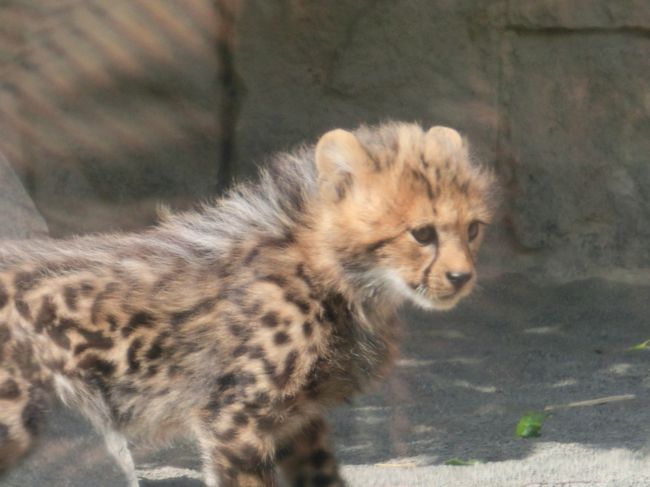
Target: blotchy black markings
x=250, y=257
x=261, y=399
x=245, y=379
x=112, y=322
x=248, y=459
x=240, y=419
x=23, y=357
x=301, y=304
x=98, y=365
x=239, y=351
x=202, y=307
x=25, y=281
x=46, y=314
x=156, y=349
x=239, y=331
x=279, y=281
x=319, y=458
x=32, y=415
x=289, y=367
x=329, y=311
x=131, y=355
x=4, y=297
x=96, y=308
x=70, y=296
x=280, y=338
x=58, y=333
x=227, y=435
x=226, y=382
x=140, y=319
x=9, y=390
x=87, y=288
x=307, y=329
x=256, y=352
x=270, y=319
x=302, y=274
x=269, y=368
x=5, y=335
x=94, y=339
x=22, y=307
x=266, y=423
x=174, y=370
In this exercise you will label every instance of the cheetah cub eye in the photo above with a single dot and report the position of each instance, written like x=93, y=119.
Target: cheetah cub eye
x=425, y=235
x=473, y=229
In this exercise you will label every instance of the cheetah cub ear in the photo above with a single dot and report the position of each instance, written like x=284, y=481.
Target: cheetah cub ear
x=340, y=161
x=444, y=143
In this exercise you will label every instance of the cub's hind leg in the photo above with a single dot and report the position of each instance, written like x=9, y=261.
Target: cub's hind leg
x=21, y=411
x=306, y=459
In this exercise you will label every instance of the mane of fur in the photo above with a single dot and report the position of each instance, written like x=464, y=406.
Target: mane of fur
x=281, y=199
x=272, y=206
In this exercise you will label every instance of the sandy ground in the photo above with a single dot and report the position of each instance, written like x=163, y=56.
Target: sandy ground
x=464, y=380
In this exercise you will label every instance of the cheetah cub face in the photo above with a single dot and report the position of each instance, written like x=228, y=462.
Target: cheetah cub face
x=405, y=212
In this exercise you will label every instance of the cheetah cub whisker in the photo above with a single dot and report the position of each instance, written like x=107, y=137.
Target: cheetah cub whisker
x=243, y=322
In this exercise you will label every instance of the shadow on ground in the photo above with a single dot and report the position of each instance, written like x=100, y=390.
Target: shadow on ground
x=463, y=381
x=466, y=376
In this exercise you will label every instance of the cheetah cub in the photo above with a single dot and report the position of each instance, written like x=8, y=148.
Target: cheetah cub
x=243, y=322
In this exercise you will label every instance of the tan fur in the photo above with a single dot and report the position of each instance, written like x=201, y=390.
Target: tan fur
x=244, y=322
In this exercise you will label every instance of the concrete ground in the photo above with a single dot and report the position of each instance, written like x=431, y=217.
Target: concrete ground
x=464, y=380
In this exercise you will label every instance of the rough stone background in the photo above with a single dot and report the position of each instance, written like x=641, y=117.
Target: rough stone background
x=108, y=112
x=110, y=108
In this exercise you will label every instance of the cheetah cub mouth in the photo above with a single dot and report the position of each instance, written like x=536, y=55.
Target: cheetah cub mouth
x=405, y=212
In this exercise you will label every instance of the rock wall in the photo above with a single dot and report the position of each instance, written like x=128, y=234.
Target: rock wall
x=107, y=108
x=575, y=108
x=19, y=218
x=553, y=94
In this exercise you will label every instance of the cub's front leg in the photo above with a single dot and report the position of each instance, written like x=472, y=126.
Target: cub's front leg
x=236, y=451
x=307, y=460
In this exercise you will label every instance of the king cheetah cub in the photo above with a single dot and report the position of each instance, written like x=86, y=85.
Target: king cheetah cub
x=242, y=323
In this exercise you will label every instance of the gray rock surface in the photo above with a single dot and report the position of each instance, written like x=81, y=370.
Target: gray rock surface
x=18, y=215
x=578, y=14
x=578, y=120
x=551, y=93
x=108, y=108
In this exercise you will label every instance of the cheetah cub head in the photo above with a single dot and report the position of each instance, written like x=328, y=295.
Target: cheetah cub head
x=404, y=212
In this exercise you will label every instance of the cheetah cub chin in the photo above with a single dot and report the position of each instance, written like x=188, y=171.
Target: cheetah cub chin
x=243, y=322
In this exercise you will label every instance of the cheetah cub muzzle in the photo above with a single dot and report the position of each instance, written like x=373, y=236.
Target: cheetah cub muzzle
x=243, y=322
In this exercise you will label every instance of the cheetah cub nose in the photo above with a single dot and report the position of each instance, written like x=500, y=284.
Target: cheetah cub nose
x=458, y=279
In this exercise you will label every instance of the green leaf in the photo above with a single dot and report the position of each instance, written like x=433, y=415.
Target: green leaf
x=641, y=346
x=530, y=425
x=457, y=462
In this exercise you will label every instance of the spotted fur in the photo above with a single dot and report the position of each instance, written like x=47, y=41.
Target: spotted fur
x=243, y=322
